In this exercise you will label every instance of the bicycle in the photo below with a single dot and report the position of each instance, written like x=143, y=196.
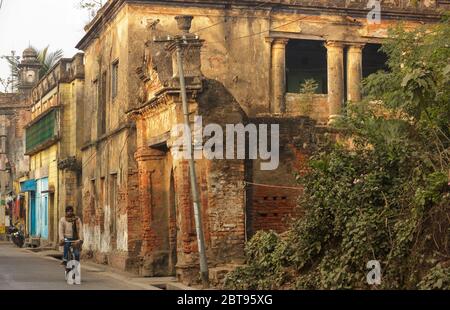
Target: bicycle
x=72, y=270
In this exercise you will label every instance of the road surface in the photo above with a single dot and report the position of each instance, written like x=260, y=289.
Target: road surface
x=22, y=270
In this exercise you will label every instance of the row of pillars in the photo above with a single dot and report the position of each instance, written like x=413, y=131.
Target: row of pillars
x=336, y=85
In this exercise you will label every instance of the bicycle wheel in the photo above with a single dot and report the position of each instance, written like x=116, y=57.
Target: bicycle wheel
x=70, y=257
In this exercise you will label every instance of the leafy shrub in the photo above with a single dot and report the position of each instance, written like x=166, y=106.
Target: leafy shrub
x=382, y=194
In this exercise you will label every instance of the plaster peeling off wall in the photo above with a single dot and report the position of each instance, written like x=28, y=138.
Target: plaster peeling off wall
x=105, y=237
x=97, y=239
x=122, y=233
x=88, y=235
x=101, y=240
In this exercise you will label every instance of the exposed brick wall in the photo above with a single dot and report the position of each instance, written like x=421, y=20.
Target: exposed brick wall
x=272, y=198
x=226, y=210
x=164, y=181
x=134, y=215
x=272, y=208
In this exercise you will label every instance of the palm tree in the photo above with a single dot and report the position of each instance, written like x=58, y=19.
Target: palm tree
x=46, y=59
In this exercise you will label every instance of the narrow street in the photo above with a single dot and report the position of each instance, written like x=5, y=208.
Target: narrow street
x=23, y=270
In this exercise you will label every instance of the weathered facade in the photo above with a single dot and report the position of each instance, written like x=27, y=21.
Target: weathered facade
x=109, y=176
x=53, y=143
x=245, y=65
x=167, y=227
x=15, y=113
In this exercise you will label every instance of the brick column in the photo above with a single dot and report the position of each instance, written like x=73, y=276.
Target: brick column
x=335, y=56
x=278, y=75
x=354, y=72
x=150, y=162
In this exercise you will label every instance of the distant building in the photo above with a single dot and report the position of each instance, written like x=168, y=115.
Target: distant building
x=53, y=142
x=15, y=112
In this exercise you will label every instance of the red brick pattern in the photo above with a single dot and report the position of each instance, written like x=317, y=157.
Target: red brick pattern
x=272, y=208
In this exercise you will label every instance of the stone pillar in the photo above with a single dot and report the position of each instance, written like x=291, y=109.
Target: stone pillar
x=278, y=75
x=354, y=72
x=151, y=191
x=335, y=56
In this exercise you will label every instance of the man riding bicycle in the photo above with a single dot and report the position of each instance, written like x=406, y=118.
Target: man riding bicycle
x=70, y=234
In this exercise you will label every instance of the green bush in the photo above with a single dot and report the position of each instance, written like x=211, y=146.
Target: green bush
x=384, y=196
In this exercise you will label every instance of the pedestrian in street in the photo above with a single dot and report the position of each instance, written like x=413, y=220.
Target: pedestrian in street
x=70, y=229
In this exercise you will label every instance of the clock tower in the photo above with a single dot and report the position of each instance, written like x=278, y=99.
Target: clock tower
x=28, y=70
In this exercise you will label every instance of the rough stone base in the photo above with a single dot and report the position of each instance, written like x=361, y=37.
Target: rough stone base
x=218, y=275
x=118, y=260
x=121, y=261
x=32, y=242
x=188, y=274
x=101, y=258
x=154, y=265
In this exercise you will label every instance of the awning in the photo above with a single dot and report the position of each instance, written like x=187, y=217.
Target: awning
x=28, y=186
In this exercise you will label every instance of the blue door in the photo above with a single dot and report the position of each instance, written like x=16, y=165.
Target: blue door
x=45, y=216
x=33, y=219
x=42, y=208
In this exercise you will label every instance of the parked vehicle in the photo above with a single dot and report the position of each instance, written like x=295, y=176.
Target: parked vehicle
x=16, y=235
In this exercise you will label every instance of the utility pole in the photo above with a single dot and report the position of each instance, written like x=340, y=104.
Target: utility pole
x=184, y=24
x=194, y=185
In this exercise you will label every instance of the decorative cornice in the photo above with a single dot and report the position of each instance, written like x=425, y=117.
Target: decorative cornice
x=330, y=7
x=59, y=73
x=70, y=163
x=355, y=47
x=280, y=41
x=160, y=100
x=336, y=44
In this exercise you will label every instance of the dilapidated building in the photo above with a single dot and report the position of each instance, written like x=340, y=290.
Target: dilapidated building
x=245, y=62
x=15, y=113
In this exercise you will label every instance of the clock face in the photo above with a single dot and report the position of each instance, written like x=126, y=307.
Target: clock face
x=31, y=75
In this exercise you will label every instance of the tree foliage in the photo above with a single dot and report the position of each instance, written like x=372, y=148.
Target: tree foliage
x=91, y=5
x=381, y=192
x=46, y=58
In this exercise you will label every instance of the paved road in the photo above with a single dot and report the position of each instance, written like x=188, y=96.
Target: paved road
x=22, y=270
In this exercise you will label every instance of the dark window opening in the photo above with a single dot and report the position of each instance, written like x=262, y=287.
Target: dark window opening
x=163, y=147
x=102, y=106
x=93, y=198
x=373, y=59
x=345, y=74
x=115, y=79
x=305, y=60
x=113, y=195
